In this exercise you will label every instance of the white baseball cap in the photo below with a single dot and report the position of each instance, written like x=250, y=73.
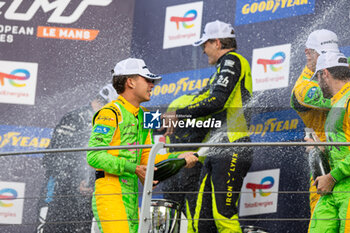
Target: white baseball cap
x=330, y=59
x=108, y=93
x=322, y=41
x=215, y=29
x=133, y=66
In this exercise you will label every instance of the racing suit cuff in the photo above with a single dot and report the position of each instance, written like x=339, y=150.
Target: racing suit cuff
x=174, y=155
x=337, y=174
x=307, y=72
x=130, y=167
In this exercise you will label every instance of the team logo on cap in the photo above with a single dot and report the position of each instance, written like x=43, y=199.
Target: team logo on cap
x=343, y=60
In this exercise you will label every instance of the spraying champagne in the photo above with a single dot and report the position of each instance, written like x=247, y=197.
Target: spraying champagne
x=317, y=161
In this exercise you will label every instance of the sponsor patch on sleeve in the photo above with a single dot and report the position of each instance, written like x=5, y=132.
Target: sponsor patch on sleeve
x=229, y=63
x=101, y=129
x=311, y=92
x=223, y=81
x=228, y=71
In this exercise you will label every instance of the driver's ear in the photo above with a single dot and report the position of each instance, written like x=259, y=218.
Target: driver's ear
x=130, y=82
x=218, y=43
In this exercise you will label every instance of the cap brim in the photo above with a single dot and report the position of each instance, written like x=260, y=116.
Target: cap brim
x=153, y=77
x=200, y=41
x=314, y=77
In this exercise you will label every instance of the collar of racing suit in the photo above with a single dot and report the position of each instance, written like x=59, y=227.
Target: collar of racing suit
x=128, y=106
x=220, y=59
x=340, y=93
x=308, y=72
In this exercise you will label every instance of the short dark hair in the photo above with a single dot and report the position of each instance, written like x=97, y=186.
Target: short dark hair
x=119, y=82
x=228, y=43
x=340, y=72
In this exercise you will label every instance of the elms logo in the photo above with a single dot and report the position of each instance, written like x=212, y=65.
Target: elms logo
x=266, y=183
x=270, y=67
x=188, y=17
x=57, y=12
x=55, y=7
x=182, y=24
x=18, y=82
x=6, y=195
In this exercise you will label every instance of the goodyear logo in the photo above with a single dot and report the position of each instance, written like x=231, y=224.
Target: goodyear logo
x=174, y=85
x=276, y=126
x=19, y=139
x=252, y=11
x=183, y=85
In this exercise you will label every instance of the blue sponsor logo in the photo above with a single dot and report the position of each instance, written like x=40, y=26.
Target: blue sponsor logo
x=252, y=11
x=152, y=120
x=312, y=92
x=101, y=129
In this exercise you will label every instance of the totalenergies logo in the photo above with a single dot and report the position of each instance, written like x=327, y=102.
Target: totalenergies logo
x=8, y=195
x=13, y=76
x=266, y=183
x=277, y=58
x=188, y=17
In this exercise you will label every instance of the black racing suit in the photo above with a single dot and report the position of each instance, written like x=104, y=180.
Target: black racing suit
x=64, y=173
x=225, y=99
x=176, y=188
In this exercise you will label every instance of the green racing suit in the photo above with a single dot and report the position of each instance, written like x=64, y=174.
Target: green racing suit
x=332, y=209
x=115, y=200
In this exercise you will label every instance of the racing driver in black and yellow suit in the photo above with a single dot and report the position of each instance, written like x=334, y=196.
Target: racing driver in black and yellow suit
x=225, y=99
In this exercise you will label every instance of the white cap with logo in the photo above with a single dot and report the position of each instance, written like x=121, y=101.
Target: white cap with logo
x=330, y=59
x=108, y=93
x=322, y=41
x=216, y=29
x=134, y=66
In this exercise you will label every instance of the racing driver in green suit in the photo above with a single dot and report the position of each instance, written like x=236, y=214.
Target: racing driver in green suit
x=121, y=122
x=332, y=211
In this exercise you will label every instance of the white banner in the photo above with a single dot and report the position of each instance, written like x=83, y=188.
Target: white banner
x=270, y=67
x=259, y=193
x=11, y=202
x=182, y=24
x=18, y=82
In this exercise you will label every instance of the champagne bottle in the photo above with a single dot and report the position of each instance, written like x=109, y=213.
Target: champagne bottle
x=169, y=167
x=318, y=161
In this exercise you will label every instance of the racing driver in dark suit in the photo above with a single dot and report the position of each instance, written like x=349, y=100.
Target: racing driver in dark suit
x=224, y=99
